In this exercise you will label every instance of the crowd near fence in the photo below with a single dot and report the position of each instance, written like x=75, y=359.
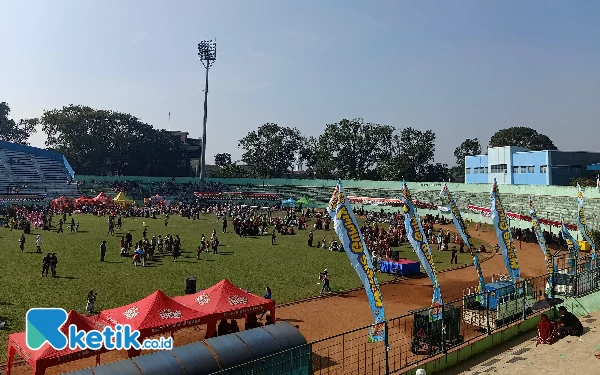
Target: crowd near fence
x=413, y=339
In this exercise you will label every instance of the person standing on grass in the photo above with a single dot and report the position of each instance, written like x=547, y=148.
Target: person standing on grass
x=91, y=299
x=38, y=244
x=311, y=237
x=46, y=264
x=454, y=256
x=53, y=264
x=273, y=238
x=324, y=276
x=22, y=242
x=102, y=250
x=225, y=224
x=215, y=245
x=60, y=224
x=268, y=295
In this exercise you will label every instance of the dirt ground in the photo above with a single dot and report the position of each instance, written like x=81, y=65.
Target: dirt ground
x=334, y=314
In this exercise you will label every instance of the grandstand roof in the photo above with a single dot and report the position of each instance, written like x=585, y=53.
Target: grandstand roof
x=38, y=152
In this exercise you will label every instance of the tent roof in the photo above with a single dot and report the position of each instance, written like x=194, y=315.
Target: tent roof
x=101, y=197
x=47, y=356
x=121, y=197
x=303, y=200
x=225, y=300
x=152, y=315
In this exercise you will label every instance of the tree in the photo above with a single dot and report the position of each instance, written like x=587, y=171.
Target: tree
x=102, y=142
x=436, y=172
x=353, y=149
x=412, y=153
x=10, y=131
x=522, y=137
x=469, y=147
x=271, y=150
x=223, y=159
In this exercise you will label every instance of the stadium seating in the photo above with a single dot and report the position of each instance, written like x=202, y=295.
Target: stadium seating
x=34, y=171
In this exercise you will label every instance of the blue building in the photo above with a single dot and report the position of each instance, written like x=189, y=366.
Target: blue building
x=520, y=166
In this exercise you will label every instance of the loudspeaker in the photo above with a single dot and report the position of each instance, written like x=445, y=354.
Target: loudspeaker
x=395, y=255
x=190, y=285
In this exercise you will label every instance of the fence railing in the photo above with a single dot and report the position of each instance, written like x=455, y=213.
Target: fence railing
x=414, y=338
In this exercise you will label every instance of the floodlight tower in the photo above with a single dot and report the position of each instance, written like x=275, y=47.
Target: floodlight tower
x=207, y=52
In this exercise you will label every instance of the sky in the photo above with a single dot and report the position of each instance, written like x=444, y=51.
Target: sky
x=463, y=69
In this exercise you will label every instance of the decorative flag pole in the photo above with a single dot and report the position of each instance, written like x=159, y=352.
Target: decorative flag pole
x=571, y=244
x=417, y=238
x=581, y=224
x=464, y=234
x=504, y=235
x=347, y=228
x=550, y=266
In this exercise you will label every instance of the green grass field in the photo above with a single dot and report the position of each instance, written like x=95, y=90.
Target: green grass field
x=290, y=268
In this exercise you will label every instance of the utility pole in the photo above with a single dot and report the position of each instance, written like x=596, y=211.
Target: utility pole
x=207, y=52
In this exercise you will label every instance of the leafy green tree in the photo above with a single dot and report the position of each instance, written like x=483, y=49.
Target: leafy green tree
x=522, y=137
x=353, y=149
x=437, y=172
x=101, y=142
x=222, y=159
x=469, y=147
x=589, y=181
x=272, y=150
x=11, y=131
x=412, y=153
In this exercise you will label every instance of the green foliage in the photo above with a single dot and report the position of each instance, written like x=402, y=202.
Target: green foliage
x=271, y=151
x=522, y=137
x=352, y=149
x=584, y=181
x=469, y=147
x=102, y=142
x=11, y=131
x=596, y=237
x=223, y=159
x=412, y=153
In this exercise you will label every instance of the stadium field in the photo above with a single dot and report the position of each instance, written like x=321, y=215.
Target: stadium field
x=289, y=268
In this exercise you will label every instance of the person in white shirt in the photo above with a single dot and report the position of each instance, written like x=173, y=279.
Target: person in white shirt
x=38, y=244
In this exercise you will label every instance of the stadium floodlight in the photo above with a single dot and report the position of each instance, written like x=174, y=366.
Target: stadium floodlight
x=207, y=52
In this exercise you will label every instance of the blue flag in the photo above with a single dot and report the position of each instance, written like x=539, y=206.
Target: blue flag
x=581, y=225
x=505, y=241
x=418, y=239
x=571, y=244
x=464, y=234
x=348, y=231
x=550, y=266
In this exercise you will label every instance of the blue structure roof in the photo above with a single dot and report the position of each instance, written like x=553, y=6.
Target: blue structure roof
x=38, y=152
x=593, y=167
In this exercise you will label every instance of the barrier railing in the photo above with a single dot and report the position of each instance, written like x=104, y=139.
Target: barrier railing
x=414, y=338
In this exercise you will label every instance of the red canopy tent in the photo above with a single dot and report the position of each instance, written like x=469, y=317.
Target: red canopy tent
x=225, y=301
x=102, y=198
x=153, y=315
x=512, y=215
x=47, y=356
x=262, y=196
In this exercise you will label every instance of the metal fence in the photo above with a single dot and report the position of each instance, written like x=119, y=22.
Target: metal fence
x=414, y=338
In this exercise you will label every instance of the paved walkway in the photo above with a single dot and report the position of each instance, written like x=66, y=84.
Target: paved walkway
x=571, y=355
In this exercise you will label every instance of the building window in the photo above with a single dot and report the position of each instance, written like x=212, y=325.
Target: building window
x=499, y=168
x=486, y=170
x=468, y=171
x=515, y=169
x=530, y=170
x=523, y=169
x=543, y=168
x=475, y=170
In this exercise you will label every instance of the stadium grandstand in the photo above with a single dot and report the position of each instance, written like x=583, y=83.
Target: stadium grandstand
x=27, y=172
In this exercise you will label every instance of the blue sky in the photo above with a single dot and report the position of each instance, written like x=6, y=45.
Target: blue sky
x=460, y=68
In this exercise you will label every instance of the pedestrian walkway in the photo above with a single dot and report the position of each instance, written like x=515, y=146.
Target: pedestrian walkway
x=571, y=355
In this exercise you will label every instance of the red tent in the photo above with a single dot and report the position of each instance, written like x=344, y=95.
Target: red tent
x=153, y=315
x=46, y=356
x=226, y=301
x=262, y=196
x=208, y=195
x=102, y=198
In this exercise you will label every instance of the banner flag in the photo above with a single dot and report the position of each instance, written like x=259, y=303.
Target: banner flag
x=571, y=244
x=347, y=228
x=581, y=225
x=417, y=238
x=504, y=235
x=539, y=234
x=464, y=234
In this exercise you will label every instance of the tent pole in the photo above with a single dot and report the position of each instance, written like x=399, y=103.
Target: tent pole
x=10, y=358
